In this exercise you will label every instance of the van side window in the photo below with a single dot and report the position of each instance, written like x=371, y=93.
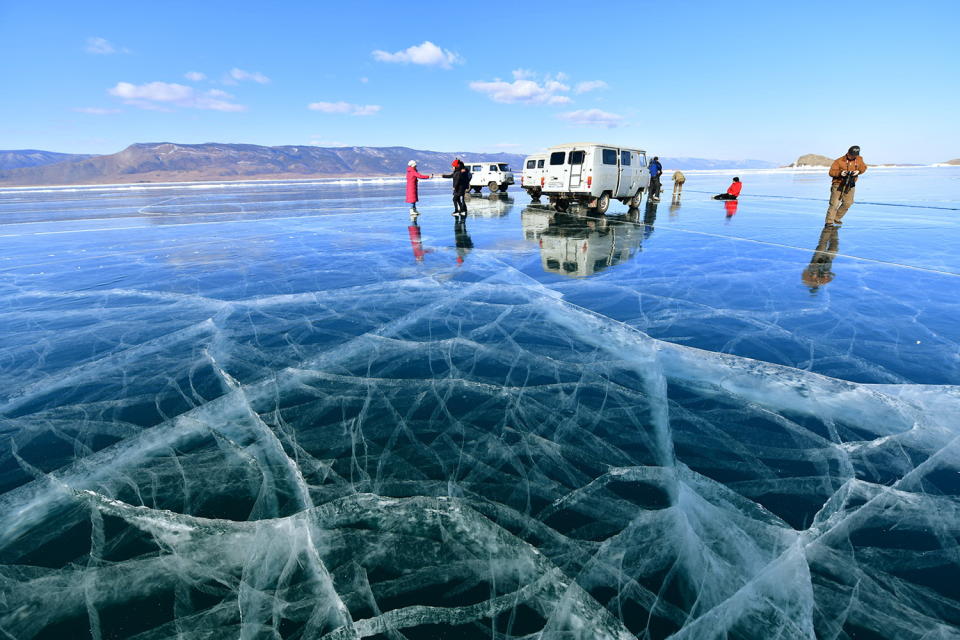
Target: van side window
x=609, y=156
x=476, y=168
x=531, y=164
x=576, y=157
x=643, y=159
x=625, y=158
x=557, y=157
x=493, y=168
x=540, y=164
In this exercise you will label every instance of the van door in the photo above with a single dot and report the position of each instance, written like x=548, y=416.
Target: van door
x=557, y=172
x=625, y=188
x=607, y=176
x=577, y=177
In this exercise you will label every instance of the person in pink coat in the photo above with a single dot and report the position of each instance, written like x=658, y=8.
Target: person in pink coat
x=412, y=176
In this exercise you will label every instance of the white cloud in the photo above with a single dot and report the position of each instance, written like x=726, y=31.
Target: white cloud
x=590, y=85
x=195, y=76
x=101, y=46
x=525, y=89
x=427, y=54
x=161, y=96
x=96, y=111
x=320, y=142
x=345, y=107
x=364, y=80
x=239, y=75
x=593, y=118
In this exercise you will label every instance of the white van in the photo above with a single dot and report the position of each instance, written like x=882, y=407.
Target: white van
x=592, y=174
x=494, y=175
x=534, y=175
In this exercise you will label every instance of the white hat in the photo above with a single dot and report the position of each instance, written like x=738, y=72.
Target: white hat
x=412, y=163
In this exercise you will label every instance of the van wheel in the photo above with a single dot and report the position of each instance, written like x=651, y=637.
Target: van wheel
x=635, y=200
x=477, y=189
x=561, y=205
x=492, y=186
x=603, y=203
x=503, y=187
x=535, y=193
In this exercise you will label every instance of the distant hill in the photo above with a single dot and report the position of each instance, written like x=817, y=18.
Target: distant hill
x=705, y=163
x=954, y=161
x=169, y=162
x=34, y=158
x=812, y=160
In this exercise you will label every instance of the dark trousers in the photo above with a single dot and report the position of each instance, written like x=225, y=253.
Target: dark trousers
x=458, y=203
x=724, y=196
x=655, y=187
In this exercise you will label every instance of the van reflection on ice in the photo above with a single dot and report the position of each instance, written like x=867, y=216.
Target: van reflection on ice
x=582, y=245
x=495, y=205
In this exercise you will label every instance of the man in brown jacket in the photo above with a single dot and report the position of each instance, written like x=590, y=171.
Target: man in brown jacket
x=844, y=172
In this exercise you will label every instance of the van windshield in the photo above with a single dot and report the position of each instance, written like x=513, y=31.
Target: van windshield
x=504, y=167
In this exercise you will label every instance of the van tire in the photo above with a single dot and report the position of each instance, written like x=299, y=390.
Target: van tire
x=503, y=187
x=492, y=186
x=635, y=200
x=561, y=205
x=603, y=203
x=477, y=189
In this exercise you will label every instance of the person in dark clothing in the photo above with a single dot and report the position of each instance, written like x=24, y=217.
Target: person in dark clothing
x=656, y=170
x=461, y=182
x=732, y=191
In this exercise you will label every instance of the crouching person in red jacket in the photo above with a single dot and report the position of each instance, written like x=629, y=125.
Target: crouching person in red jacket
x=732, y=192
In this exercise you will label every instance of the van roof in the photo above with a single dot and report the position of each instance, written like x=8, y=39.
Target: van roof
x=595, y=144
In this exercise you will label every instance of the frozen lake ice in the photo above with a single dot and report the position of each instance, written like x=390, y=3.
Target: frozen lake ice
x=282, y=410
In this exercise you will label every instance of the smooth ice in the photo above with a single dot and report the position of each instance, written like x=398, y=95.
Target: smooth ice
x=282, y=410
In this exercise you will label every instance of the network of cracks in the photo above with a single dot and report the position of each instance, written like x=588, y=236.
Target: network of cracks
x=428, y=459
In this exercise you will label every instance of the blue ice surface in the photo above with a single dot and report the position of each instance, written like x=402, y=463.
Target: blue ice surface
x=248, y=408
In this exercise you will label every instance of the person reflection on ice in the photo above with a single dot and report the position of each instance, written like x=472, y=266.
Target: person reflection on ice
x=818, y=272
x=731, y=207
x=416, y=241
x=462, y=239
x=649, y=217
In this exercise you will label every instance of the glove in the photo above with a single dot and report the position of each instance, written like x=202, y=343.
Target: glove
x=856, y=173
x=843, y=173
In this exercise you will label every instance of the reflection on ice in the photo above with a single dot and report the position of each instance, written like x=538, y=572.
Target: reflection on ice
x=324, y=438
x=581, y=245
x=493, y=205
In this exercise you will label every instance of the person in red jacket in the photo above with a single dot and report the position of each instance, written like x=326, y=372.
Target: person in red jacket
x=412, y=195
x=732, y=191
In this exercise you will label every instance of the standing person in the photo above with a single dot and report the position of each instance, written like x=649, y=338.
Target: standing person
x=844, y=172
x=412, y=194
x=656, y=170
x=732, y=191
x=678, y=180
x=461, y=182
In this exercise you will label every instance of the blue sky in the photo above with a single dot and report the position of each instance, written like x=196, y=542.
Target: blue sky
x=764, y=80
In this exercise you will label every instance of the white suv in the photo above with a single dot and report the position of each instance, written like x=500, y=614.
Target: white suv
x=494, y=175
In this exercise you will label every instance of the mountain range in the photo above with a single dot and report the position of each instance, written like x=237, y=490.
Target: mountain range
x=34, y=158
x=171, y=162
